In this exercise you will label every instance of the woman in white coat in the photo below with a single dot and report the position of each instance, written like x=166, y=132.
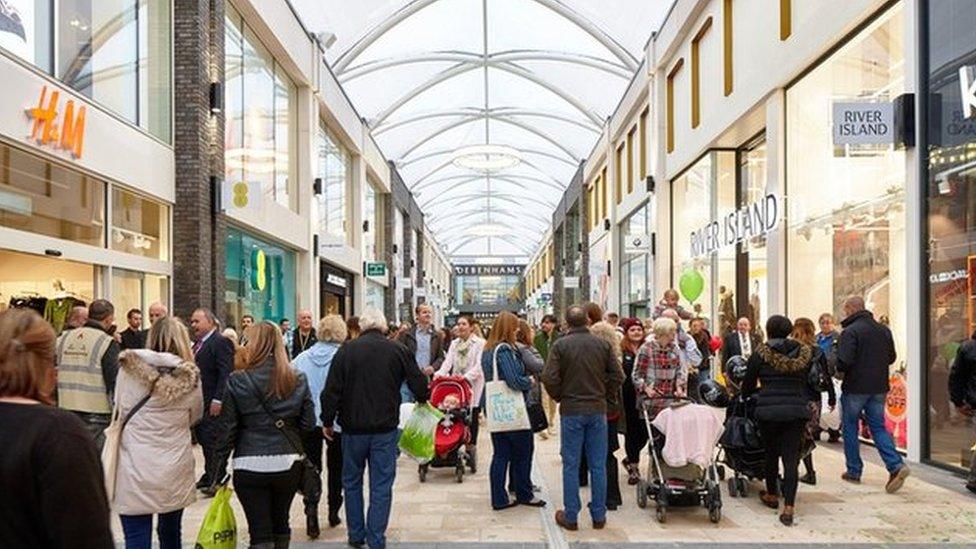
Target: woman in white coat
x=156, y=466
x=464, y=359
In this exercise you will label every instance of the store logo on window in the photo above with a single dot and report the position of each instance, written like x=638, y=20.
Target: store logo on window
x=66, y=132
x=967, y=91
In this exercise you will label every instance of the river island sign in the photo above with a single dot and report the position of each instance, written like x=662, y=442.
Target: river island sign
x=748, y=222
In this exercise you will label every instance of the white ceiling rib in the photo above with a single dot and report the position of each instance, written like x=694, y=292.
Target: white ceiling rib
x=531, y=79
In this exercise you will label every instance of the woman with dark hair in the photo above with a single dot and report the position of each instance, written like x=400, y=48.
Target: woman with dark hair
x=510, y=449
x=804, y=331
x=779, y=371
x=635, y=437
x=463, y=358
x=266, y=461
x=352, y=328
x=51, y=489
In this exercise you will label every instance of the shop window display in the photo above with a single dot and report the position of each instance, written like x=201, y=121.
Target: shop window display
x=635, y=265
x=49, y=286
x=260, y=279
x=951, y=198
x=139, y=226
x=334, y=168
x=135, y=290
x=846, y=219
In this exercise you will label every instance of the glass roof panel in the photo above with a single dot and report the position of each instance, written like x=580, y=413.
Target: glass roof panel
x=427, y=74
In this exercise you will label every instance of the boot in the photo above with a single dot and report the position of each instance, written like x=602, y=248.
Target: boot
x=311, y=527
x=809, y=478
x=282, y=541
x=633, y=473
x=334, y=519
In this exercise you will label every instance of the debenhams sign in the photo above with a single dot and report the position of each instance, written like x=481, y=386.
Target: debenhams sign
x=488, y=270
x=750, y=221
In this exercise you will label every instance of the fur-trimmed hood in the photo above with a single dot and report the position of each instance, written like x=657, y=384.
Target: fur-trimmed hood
x=786, y=355
x=606, y=332
x=180, y=378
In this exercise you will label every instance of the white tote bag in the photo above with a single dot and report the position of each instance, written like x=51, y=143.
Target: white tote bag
x=504, y=406
x=110, y=453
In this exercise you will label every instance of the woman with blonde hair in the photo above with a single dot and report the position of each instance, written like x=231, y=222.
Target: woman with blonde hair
x=263, y=406
x=51, y=489
x=510, y=448
x=158, y=389
x=315, y=363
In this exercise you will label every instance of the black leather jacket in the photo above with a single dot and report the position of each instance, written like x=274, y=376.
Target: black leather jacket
x=246, y=428
x=962, y=378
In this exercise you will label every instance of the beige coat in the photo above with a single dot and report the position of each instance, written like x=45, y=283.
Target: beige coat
x=156, y=467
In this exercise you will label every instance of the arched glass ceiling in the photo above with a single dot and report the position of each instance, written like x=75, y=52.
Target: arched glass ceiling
x=536, y=77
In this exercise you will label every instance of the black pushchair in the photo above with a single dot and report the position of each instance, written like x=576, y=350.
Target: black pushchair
x=742, y=447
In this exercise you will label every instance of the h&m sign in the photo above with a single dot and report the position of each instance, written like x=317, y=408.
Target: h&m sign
x=64, y=130
x=750, y=221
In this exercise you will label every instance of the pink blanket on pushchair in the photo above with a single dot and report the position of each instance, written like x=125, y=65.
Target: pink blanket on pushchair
x=690, y=432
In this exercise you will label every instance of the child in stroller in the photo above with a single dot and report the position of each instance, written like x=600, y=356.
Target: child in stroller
x=452, y=396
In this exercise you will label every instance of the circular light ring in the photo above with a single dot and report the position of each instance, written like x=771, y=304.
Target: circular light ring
x=487, y=229
x=486, y=158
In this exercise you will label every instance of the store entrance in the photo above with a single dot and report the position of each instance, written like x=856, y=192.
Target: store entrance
x=336, y=291
x=752, y=287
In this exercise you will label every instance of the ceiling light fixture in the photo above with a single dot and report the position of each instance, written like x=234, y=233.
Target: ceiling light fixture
x=486, y=159
x=488, y=229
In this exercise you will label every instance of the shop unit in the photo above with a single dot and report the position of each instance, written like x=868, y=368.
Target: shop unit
x=484, y=290
x=79, y=221
x=539, y=280
x=570, y=238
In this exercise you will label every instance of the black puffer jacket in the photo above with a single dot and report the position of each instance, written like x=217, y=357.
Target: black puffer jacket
x=864, y=352
x=245, y=427
x=783, y=367
x=962, y=378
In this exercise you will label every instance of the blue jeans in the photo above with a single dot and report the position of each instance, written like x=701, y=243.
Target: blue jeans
x=851, y=406
x=380, y=452
x=138, y=530
x=513, y=449
x=406, y=395
x=584, y=433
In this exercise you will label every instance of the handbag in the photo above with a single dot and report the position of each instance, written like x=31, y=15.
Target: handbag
x=310, y=484
x=113, y=442
x=505, y=407
x=537, y=417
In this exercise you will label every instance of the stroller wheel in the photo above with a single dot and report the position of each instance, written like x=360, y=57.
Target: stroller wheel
x=642, y=494
x=715, y=513
x=721, y=472
x=422, y=471
x=743, y=487
x=661, y=513
x=733, y=487
x=459, y=473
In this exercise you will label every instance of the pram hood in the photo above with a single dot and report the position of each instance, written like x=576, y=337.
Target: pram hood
x=443, y=387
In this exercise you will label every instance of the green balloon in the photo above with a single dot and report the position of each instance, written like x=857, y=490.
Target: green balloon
x=949, y=351
x=691, y=284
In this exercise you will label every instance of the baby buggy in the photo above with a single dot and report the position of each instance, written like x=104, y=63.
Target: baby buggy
x=742, y=448
x=452, y=396
x=688, y=486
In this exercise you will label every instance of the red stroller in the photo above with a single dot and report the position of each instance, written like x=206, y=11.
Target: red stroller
x=451, y=395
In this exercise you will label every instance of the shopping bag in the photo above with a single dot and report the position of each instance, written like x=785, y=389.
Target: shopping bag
x=830, y=420
x=110, y=453
x=219, y=528
x=417, y=439
x=504, y=407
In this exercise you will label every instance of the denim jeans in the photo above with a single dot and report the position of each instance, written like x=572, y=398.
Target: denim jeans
x=379, y=451
x=581, y=433
x=873, y=407
x=512, y=449
x=406, y=395
x=138, y=530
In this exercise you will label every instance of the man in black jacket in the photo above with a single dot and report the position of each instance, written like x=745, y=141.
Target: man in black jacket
x=865, y=352
x=962, y=392
x=424, y=344
x=133, y=337
x=214, y=356
x=362, y=393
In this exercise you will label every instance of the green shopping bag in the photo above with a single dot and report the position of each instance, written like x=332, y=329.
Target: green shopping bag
x=219, y=529
x=417, y=439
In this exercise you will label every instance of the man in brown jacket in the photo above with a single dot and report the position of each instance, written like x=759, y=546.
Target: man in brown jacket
x=582, y=374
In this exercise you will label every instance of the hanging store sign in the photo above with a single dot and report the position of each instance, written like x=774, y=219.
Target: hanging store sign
x=863, y=123
x=571, y=282
x=62, y=130
x=967, y=90
x=336, y=280
x=750, y=221
x=637, y=244
x=375, y=269
x=240, y=196
x=420, y=291
x=488, y=270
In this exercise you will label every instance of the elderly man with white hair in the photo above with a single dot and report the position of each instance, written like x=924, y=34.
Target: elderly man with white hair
x=661, y=367
x=362, y=394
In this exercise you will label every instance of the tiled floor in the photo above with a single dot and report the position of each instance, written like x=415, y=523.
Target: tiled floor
x=443, y=511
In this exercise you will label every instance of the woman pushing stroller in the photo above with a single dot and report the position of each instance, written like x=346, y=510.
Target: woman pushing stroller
x=660, y=372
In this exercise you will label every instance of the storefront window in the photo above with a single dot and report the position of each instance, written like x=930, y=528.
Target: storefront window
x=260, y=279
x=752, y=178
x=374, y=296
x=599, y=277
x=699, y=195
x=846, y=219
x=260, y=103
x=139, y=226
x=117, y=52
x=951, y=196
x=334, y=165
x=135, y=290
x=41, y=197
x=499, y=291
x=49, y=286
x=635, y=268
x=372, y=212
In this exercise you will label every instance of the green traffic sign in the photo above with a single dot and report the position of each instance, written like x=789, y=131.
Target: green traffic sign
x=376, y=269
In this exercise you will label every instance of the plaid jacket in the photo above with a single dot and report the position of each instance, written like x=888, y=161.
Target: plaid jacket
x=664, y=369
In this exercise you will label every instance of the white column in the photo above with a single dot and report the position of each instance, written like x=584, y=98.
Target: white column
x=306, y=286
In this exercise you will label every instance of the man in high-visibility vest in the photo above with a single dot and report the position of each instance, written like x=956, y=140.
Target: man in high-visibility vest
x=88, y=362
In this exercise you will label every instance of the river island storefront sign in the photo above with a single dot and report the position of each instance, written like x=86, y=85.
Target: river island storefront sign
x=748, y=222
x=863, y=123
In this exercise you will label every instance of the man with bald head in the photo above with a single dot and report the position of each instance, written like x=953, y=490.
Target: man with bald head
x=304, y=334
x=156, y=311
x=864, y=355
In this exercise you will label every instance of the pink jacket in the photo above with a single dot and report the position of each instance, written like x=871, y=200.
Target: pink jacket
x=691, y=432
x=469, y=366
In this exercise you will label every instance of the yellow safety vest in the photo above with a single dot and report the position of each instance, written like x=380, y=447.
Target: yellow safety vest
x=81, y=387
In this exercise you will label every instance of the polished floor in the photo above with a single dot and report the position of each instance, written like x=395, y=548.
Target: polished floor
x=932, y=508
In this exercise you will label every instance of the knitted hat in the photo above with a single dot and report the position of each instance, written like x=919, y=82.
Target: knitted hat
x=627, y=323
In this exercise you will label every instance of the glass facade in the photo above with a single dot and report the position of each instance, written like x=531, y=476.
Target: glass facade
x=135, y=290
x=846, y=218
x=498, y=291
x=260, y=103
x=260, y=279
x=334, y=168
x=373, y=218
x=116, y=52
x=140, y=226
x=636, y=268
x=951, y=214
